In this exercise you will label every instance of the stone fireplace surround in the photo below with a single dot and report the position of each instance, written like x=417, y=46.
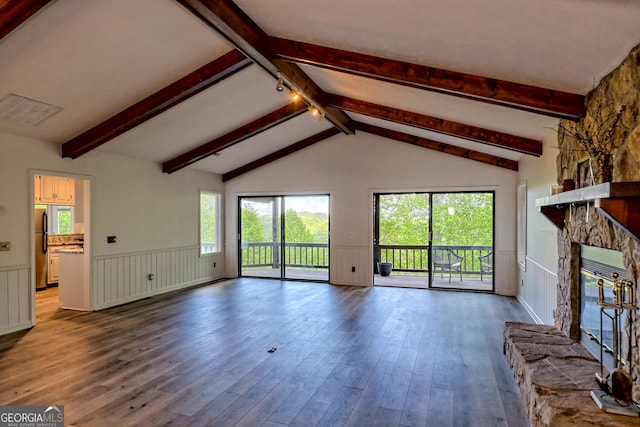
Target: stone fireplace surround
x=585, y=225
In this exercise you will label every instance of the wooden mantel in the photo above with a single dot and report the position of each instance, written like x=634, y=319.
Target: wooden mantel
x=618, y=201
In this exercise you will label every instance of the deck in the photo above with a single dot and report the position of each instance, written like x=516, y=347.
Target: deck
x=396, y=279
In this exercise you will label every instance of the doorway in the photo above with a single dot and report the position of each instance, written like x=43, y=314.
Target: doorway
x=284, y=237
x=61, y=223
x=434, y=240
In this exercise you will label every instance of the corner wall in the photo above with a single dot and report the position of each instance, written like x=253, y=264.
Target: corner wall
x=154, y=216
x=351, y=169
x=537, y=284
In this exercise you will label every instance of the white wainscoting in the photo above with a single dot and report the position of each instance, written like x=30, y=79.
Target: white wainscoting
x=345, y=257
x=506, y=276
x=122, y=278
x=15, y=299
x=538, y=292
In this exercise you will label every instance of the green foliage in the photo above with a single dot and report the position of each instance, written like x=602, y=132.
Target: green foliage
x=458, y=219
x=252, y=230
x=404, y=219
x=463, y=219
x=64, y=221
x=295, y=229
x=208, y=221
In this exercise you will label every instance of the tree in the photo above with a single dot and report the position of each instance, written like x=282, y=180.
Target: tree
x=458, y=219
x=251, y=227
x=295, y=229
x=404, y=219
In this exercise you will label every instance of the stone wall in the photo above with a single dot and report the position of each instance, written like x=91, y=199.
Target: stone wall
x=584, y=225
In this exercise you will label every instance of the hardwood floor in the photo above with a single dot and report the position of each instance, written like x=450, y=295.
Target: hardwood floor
x=345, y=356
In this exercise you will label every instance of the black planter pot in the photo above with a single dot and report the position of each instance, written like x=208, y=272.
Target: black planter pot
x=385, y=268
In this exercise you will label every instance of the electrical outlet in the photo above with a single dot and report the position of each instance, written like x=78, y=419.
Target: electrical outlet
x=5, y=246
x=151, y=276
x=111, y=239
x=353, y=269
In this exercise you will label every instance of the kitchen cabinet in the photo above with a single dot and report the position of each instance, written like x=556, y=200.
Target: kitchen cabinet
x=53, y=270
x=54, y=190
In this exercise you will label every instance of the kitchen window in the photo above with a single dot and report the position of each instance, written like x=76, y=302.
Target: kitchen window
x=61, y=219
x=209, y=222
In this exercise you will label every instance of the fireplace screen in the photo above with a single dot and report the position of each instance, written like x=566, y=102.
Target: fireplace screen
x=598, y=263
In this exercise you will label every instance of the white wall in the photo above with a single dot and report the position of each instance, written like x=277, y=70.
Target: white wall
x=538, y=284
x=151, y=213
x=351, y=169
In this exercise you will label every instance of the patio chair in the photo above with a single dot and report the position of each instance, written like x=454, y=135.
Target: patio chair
x=486, y=264
x=446, y=260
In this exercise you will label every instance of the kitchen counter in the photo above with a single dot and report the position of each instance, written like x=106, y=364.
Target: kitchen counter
x=71, y=251
x=74, y=283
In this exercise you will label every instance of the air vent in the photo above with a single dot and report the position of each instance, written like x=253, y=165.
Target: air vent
x=25, y=111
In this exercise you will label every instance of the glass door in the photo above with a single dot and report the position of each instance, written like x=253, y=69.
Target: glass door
x=260, y=236
x=300, y=252
x=401, y=239
x=306, y=237
x=462, y=240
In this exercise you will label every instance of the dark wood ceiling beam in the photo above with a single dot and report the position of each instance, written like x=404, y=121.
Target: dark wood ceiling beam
x=253, y=128
x=514, y=95
x=439, y=146
x=15, y=12
x=447, y=127
x=226, y=18
x=321, y=136
x=167, y=97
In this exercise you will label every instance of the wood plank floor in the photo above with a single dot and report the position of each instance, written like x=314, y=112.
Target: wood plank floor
x=345, y=356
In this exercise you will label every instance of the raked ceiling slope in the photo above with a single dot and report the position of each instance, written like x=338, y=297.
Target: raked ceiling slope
x=95, y=59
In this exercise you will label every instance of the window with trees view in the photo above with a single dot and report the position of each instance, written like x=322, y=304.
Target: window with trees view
x=209, y=222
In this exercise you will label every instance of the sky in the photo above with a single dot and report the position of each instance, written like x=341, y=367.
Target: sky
x=297, y=203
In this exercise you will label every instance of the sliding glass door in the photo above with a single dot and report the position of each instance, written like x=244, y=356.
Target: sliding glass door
x=284, y=237
x=437, y=240
x=260, y=236
x=462, y=241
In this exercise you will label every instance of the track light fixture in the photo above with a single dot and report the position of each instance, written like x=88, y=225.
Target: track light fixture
x=297, y=95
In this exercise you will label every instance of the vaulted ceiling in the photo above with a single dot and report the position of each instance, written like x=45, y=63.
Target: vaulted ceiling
x=192, y=83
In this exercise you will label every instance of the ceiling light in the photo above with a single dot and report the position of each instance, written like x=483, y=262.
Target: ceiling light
x=295, y=96
x=314, y=111
x=280, y=85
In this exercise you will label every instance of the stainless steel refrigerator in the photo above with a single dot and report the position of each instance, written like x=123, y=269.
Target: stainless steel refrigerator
x=41, y=248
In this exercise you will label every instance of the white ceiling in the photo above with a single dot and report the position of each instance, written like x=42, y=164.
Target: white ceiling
x=95, y=58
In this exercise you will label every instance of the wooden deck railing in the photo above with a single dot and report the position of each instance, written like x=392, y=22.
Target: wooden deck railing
x=306, y=255
x=415, y=258
x=409, y=258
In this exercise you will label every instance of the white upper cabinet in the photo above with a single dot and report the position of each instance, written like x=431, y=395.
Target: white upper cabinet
x=54, y=190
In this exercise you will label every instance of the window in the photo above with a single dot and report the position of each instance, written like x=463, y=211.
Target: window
x=209, y=222
x=61, y=219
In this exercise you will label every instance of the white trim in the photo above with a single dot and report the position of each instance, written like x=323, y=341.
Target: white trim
x=529, y=310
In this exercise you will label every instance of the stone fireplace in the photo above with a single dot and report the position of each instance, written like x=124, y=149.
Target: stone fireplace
x=586, y=225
